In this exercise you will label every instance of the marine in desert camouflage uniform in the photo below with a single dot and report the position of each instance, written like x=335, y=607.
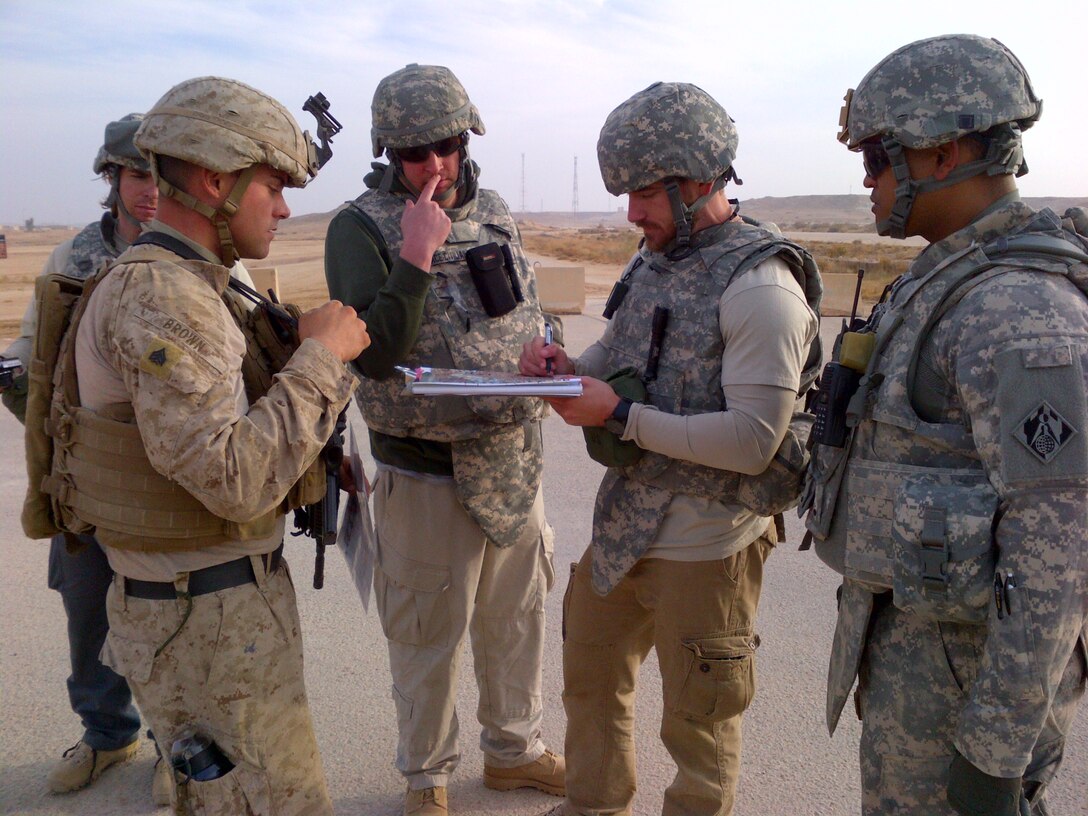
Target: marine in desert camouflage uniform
x=463, y=547
x=179, y=448
x=957, y=510
x=681, y=534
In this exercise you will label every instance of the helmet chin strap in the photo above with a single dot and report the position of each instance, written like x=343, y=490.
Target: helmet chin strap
x=1004, y=156
x=220, y=217
x=683, y=215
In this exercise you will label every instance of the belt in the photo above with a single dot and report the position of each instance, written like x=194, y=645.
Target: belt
x=204, y=581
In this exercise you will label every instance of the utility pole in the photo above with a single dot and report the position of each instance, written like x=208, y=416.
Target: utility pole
x=574, y=202
x=523, y=182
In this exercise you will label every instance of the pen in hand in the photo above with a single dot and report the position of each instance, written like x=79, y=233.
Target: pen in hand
x=548, y=342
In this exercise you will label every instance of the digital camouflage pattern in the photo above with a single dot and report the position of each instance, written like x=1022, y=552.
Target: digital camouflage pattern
x=631, y=501
x=496, y=447
x=118, y=146
x=418, y=105
x=670, y=129
x=998, y=399
x=92, y=246
x=233, y=673
x=226, y=125
x=939, y=89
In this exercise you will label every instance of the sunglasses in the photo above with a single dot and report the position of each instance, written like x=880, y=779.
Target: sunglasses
x=442, y=148
x=875, y=159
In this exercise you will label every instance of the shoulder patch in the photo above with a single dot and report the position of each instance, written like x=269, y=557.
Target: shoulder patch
x=159, y=358
x=1044, y=432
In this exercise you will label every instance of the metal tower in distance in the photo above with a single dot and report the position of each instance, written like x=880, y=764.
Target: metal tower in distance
x=574, y=200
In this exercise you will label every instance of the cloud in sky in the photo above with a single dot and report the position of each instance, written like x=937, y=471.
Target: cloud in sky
x=543, y=74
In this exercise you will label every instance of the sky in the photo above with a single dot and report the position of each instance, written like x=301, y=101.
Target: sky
x=544, y=76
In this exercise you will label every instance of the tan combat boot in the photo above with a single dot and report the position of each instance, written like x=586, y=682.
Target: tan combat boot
x=547, y=773
x=81, y=765
x=426, y=802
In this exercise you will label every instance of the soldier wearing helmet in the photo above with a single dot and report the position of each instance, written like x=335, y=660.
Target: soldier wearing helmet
x=99, y=696
x=458, y=485
x=954, y=505
x=688, y=398
x=173, y=442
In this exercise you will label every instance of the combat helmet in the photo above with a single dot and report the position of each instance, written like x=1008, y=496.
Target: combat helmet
x=667, y=132
x=419, y=105
x=118, y=150
x=225, y=126
x=935, y=91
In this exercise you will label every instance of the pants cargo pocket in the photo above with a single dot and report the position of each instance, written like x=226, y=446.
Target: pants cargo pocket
x=913, y=784
x=245, y=791
x=719, y=677
x=411, y=599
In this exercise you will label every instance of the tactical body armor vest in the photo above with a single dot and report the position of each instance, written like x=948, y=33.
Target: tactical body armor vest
x=919, y=519
x=631, y=501
x=98, y=477
x=495, y=441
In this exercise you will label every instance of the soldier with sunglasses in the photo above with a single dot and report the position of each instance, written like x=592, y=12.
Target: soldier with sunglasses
x=954, y=498
x=434, y=264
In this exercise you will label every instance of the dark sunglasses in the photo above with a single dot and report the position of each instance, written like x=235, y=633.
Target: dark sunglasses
x=443, y=148
x=875, y=159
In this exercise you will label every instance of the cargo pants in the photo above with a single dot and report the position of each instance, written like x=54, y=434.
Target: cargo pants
x=437, y=579
x=231, y=672
x=700, y=618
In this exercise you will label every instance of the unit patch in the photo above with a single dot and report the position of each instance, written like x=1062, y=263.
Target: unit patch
x=1044, y=432
x=159, y=358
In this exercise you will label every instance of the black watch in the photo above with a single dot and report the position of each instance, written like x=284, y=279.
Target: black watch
x=617, y=422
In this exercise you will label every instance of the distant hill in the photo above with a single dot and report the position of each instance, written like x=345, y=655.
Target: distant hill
x=813, y=213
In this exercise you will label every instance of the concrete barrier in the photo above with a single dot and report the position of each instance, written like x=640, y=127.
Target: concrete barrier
x=562, y=289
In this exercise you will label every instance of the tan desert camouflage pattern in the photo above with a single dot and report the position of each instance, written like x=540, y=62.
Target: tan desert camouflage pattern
x=418, y=105
x=668, y=129
x=91, y=248
x=497, y=463
x=233, y=673
x=226, y=125
x=939, y=89
x=165, y=331
x=118, y=147
x=1015, y=342
x=631, y=501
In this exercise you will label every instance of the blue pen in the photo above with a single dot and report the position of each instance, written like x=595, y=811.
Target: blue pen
x=548, y=342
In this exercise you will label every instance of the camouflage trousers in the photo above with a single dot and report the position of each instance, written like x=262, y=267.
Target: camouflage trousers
x=233, y=672
x=914, y=679
x=699, y=616
x=437, y=580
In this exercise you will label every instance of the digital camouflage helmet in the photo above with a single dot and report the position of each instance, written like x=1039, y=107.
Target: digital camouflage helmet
x=225, y=126
x=934, y=91
x=667, y=132
x=118, y=150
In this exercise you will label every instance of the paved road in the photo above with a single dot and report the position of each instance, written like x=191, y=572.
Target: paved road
x=791, y=766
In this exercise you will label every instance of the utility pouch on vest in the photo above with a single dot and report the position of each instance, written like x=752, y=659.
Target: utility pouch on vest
x=944, y=550
x=56, y=296
x=487, y=266
x=603, y=445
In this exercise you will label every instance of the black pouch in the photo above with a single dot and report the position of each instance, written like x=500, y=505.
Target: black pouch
x=487, y=266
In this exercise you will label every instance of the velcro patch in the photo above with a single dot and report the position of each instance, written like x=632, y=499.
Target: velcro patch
x=159, y=358
x=1044, y=432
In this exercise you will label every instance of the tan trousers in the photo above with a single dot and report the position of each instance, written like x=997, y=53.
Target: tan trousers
x=700, y=618
x=437, y=579
x=233, y=672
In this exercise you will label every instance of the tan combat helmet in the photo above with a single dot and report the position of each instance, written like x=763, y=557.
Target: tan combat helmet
x=225, y=126
x=934, y=91
x=668, y=132
x=118, y=150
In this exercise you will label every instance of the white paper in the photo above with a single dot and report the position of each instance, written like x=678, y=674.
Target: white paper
x=355, y=539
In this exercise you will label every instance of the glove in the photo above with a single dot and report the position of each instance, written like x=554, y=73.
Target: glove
x=974, y=793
